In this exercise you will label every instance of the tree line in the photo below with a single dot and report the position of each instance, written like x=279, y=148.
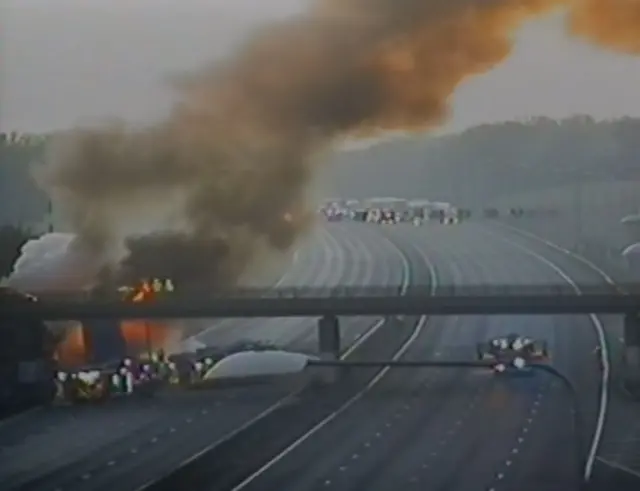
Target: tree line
x=493, y=159
x=488, y=160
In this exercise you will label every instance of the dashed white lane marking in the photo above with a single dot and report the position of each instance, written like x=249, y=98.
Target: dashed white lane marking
x=450, y=432
x=520, y=439
x=603, y=405
x=133, y=450
x=350, y=402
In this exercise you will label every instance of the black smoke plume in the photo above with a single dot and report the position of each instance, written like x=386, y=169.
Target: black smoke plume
x=210, y=186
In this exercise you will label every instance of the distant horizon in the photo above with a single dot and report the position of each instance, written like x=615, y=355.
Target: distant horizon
x=442, y=131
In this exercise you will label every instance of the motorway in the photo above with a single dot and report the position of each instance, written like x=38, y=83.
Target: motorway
x=457, y=429
x=435, y=428
x=128, y=443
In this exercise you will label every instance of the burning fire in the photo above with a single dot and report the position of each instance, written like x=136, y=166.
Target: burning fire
x=144, y=335
x=139, y=335
x=72, y=349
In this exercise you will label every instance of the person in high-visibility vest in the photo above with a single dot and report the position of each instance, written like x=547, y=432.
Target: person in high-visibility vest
x=61, y=383
x=174, y=374
x=156, y=285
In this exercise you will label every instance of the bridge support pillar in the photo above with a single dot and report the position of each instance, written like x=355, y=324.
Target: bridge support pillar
x=104, y=341
x=329, y=341
x=631, y=353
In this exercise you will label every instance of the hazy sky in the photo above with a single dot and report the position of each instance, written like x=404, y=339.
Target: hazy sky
x=68, y=61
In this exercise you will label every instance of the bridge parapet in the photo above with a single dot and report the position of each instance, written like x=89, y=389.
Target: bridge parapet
x=475, y=302
x=357, y=292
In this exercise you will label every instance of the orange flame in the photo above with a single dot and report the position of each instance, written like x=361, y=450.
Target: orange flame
x=138, y=335
x=142, y=335
x=72, y=350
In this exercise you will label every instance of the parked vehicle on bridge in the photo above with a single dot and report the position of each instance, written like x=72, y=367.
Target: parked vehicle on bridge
x=513, y=354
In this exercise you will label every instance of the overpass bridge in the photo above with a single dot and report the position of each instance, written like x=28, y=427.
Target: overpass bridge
x=342, y=301
x=328, y=304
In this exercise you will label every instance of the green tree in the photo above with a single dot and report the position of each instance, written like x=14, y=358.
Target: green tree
x=496, y=159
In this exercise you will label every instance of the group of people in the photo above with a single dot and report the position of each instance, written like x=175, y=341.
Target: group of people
x=94, y=384
x=141, y=375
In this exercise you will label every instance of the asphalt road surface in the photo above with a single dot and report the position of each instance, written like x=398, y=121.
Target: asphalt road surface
x=620, y=447
x=459, y=429
x=127, y=443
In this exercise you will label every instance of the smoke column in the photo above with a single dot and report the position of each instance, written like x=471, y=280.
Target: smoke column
x=235, y=154
x=614, y=24
x=53, y=262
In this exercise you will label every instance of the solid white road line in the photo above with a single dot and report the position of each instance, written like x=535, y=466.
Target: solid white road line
x=604, y=355
x=416, y=333
x=405, y=284
x=322, y=424
x=406, y=281
x=617, y=466
x=572, y=254
x=18, y=416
